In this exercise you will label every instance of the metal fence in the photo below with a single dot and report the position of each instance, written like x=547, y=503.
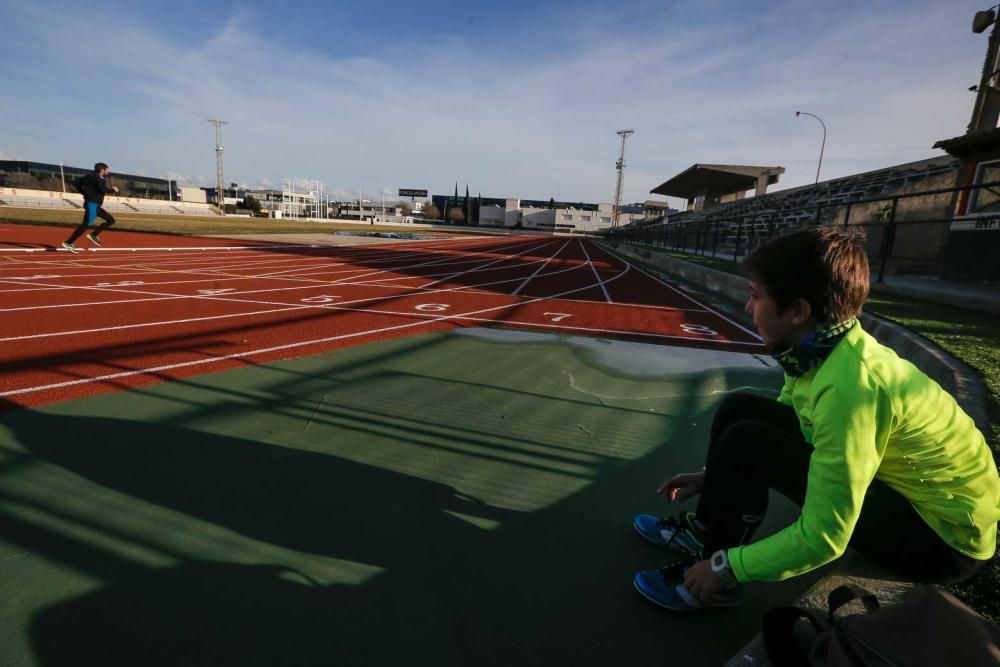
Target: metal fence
x=909, y=233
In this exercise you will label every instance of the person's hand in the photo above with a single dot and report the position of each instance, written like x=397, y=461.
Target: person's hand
x=683, y=486
x=702, y=582
x=115, y=188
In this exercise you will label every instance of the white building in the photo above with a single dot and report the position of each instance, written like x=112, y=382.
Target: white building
x=195, y=195
x=552, y=220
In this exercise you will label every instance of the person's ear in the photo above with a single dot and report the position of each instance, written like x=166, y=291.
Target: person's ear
x=801, y=312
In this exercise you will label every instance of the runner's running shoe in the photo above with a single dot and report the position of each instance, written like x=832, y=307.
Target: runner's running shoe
x=678, y=533
x=69, y=246
x=665, y=587
x=93, y=239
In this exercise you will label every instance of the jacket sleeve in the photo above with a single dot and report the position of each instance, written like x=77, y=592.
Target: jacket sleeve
x=786, y=391
x=851, y=429
x=102, y=185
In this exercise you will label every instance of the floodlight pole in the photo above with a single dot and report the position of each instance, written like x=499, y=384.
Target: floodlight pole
x=822, y=146
x=620, y=166
x=218, y=163
x=62, y=175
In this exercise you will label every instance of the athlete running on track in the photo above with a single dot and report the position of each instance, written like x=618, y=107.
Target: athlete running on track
x=93, y=186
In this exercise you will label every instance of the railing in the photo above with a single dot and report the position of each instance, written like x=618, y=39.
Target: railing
x=909, y=233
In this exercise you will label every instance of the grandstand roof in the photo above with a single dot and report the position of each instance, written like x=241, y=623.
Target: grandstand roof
x=972, y=144
x=699, y=178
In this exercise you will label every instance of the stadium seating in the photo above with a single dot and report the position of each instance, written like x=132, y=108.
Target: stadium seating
x=22, y=198
x=735, y=227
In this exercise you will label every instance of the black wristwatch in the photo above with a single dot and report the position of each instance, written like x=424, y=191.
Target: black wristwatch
x=720, y=565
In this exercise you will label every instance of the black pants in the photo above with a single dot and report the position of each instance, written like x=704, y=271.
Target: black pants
x=756, y=445
x=91, y=211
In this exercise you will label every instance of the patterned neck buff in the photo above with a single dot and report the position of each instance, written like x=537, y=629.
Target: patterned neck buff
x=808, y=353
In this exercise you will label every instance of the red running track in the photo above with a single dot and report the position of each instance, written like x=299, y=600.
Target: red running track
x=156, y=308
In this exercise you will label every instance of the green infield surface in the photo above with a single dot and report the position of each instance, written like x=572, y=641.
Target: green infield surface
x=448, y=499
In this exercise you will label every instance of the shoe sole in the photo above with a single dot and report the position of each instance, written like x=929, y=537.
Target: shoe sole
x=94, y=241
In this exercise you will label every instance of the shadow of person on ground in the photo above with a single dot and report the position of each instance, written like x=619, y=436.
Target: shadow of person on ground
x=551, y=586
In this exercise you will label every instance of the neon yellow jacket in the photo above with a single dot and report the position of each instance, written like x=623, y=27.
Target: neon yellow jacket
x=870, y=414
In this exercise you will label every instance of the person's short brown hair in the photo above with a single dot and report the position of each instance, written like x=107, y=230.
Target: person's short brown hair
x=826, y=267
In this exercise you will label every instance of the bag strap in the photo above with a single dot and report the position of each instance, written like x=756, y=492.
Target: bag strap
x=841, y=595
x=779, y=637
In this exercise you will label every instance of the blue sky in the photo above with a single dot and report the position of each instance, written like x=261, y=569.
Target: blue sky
x=515, y=98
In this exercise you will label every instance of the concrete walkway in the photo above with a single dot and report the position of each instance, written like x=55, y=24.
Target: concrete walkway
x=985, y=298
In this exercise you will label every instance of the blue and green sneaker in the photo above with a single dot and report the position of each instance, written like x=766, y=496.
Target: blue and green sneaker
x=665, y=587
x=678, y=533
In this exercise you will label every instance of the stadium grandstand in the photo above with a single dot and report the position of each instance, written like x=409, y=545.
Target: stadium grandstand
x=57, y=177
x=49, y=199
x=796, y=206
x=40, y=185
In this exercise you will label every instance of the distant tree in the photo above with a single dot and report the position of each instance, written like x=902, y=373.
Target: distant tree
x=53, y=184
x=455, y=216
x=552, y=202
x=432, y=212
x=250, y=202
x=404, y=208
x=22, y=179
x=230, y=208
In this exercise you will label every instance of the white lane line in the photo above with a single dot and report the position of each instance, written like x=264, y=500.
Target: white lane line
x=594, y=269
x=158, y=249
x=286, y=346
x=286, y=306
x=391, y=259
x=538, y=270
x=152, y=324
x=259, y=260
x=212, y=276
x=483, y=266
x=693, y=300
x=240, y=259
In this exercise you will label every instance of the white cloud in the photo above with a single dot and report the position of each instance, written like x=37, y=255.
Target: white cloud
x=715, y=91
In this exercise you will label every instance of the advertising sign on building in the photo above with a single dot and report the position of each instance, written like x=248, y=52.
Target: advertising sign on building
x=403, y=192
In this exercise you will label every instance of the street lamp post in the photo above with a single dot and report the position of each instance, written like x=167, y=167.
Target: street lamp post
x=823, y=145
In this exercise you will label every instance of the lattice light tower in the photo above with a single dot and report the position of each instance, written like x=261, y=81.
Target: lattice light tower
x=620, y=165
x=220, y=193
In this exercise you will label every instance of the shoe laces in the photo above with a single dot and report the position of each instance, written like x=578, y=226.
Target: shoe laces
x=675, y=571
x=677, y=524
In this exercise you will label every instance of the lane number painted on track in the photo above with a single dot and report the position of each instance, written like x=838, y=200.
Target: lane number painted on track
x=213, y=292
x=433, y=307
x=558, y=317
x=121, y=283
x=322, y=298
x=698, y=329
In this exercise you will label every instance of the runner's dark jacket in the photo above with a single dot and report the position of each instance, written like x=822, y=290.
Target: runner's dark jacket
x=93, y=187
